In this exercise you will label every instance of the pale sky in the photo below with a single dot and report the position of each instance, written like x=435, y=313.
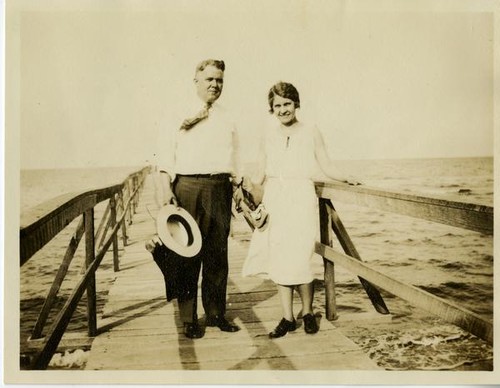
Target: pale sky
x=95, y=84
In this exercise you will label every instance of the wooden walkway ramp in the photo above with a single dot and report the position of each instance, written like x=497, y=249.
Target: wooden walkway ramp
x=139, y=330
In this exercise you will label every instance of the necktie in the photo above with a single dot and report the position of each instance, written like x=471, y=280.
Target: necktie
x=192, y=121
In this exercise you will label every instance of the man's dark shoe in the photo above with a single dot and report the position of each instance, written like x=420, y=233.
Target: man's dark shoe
x=283, y=327
x=222, y=323
x=192, y=330
x=310, y=324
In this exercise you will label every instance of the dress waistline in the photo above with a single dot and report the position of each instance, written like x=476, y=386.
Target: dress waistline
x=289, y=178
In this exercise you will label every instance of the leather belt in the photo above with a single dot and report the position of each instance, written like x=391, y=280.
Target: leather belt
x=218, y=176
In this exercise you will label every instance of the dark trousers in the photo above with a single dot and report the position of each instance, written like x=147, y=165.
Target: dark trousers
x=208, y=200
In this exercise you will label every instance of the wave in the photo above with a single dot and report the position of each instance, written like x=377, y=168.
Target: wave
x=475, y=296
x=369, y=234
x=453, y=235
x=487, y=258
x=441, y=347
x=454, y=266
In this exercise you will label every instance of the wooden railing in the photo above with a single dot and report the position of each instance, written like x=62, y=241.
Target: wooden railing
x=42, y=223
x=469, y=216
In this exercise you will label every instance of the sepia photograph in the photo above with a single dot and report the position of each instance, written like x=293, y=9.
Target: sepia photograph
x=250, y=192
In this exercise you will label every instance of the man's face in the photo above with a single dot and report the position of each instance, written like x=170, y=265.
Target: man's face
x=209, y=83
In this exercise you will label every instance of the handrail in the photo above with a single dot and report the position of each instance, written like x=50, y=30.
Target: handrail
x=469, y=216
x=460, y=214
x=62, y=320
x=450, y=312
x=45, y=221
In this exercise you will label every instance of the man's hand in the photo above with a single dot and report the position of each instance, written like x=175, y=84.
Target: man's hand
x=169, y=198
x=168, y=194
x=238, y=197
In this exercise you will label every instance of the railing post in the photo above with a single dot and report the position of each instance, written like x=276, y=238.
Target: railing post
x=89, y=259
x=124, y=226
x=130, y=204
x=136, y=196
x=102, y=225
x=329, y=268
x=112, y=205
x=349, y=248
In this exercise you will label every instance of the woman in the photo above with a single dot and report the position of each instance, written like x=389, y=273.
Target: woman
x=290, y=155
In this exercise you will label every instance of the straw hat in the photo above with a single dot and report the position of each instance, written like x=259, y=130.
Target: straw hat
x=178, y=231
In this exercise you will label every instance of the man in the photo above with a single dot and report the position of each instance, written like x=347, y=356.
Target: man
x=199, y=177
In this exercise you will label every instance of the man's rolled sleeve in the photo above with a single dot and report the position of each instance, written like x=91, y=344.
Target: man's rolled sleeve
x=165, y=154
x=237, y=170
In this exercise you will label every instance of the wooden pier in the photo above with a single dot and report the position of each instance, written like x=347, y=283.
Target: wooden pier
x=139, y=330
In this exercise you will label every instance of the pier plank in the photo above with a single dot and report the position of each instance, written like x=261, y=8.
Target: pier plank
x=140, y=330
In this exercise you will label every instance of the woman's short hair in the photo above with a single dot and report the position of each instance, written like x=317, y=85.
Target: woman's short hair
x=211, y=62
x=285, y=90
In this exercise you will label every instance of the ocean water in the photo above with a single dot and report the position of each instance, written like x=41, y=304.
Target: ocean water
x=448, y=261
x=452, y=263
x=41, y=185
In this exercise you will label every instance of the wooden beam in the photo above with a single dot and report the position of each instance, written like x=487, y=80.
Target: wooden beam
x=51, y=342
x=44, y=222
x=56, y=285
x=102, y=223
x=350, y=249
x=91, y=285
x=460, y=214
x=124, y=227
x=70, y=341
x=450, y=312
x=326, y=237
x=112, y=205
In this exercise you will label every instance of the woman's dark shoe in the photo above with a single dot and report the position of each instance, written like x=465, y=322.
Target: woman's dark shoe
x=192, y=330
x=283, y=327
x=310, y=324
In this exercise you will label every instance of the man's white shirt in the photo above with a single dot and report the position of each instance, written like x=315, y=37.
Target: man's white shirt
x=210, y=147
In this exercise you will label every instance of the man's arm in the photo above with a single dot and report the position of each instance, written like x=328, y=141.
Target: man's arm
x=168, y=196
x=236, y=158
x=165, y=155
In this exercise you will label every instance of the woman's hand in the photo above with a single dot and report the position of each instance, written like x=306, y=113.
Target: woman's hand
x=246, y=184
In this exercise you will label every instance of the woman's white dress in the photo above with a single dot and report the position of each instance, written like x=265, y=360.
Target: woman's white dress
x=283, y=251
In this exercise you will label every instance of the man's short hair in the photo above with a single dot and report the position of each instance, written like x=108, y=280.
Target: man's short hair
x=211, y=62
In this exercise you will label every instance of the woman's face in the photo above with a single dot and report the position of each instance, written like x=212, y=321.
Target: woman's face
x=284, y=110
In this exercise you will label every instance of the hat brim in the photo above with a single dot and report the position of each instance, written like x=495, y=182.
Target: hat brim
x=178, y=231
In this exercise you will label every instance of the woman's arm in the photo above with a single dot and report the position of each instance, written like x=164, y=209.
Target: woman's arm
x=325, y=162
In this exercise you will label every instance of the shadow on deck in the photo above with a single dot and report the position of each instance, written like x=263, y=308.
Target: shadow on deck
x=139, y=330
